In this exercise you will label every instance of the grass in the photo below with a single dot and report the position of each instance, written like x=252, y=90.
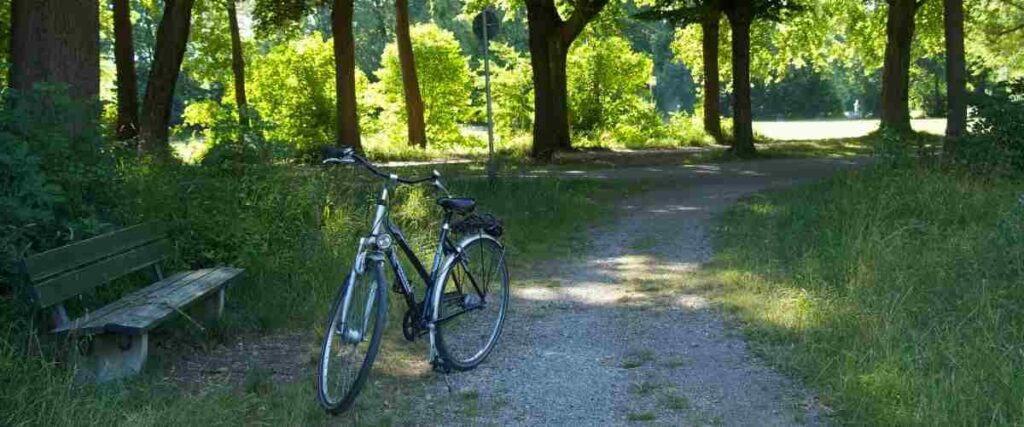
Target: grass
x=895, y=292
x=641, y=416
x=293, y=230
x=637, y=358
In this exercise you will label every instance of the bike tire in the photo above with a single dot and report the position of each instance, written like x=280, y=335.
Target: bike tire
x=337, y=404
x=465, y=341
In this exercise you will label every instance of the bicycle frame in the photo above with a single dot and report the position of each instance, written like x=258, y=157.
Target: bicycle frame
x=382, y=224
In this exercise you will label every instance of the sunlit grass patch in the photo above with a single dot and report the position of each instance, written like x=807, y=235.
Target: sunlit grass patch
x=895, y=292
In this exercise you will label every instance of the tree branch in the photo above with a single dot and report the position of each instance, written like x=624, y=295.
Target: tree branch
x=585, y=11
x=1013, y=3
x=1010, y=30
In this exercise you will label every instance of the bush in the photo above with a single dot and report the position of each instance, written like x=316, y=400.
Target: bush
x=55, y=175
x=608, y=89
x=688, y=130
x=512, y=90
x=445, y=84
x=292, y=90
x=996, y=140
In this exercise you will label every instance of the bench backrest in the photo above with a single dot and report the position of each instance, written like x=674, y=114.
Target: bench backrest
x=72, y=270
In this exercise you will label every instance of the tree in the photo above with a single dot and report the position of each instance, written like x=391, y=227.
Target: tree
x=712, y=88
x=707, y=13
x=238, y=69
x=127, y=83
x=57, y=42
x=741, y=14
x=410, y=84
x=345, y=74
x=171, y=41
x=550, y=38
x=899, y=34
x=956, y=69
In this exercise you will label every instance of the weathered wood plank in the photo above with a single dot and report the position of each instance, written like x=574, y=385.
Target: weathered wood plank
x=141, y=296
x=75, y=282
x=56, y=261
x=143, y=309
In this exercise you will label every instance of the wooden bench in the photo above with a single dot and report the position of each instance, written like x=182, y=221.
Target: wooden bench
x=120, y=329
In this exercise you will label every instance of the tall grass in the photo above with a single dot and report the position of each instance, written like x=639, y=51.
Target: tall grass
x=896, y=292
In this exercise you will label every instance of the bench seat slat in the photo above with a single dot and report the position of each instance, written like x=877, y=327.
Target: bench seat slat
x=138, y=297
x=143, y=309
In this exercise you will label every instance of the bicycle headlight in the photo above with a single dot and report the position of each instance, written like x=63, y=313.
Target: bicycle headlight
x=384, y=241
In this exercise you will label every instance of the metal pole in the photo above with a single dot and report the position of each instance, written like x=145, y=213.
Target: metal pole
x=490, y=113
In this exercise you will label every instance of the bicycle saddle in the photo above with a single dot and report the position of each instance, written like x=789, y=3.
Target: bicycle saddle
x=459, y=205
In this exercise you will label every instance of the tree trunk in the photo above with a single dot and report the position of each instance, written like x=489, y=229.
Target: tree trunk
x=742, y=117
x=899, y=31
x=345, y=74
x=548, y=56
x=238, y=69
x=127, y=85
x=956, y=70
x=171, y=40
x=58, y=42
x=712, y=88
x=410, y=84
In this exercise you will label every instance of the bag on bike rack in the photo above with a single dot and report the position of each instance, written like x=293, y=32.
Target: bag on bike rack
x=486, y=223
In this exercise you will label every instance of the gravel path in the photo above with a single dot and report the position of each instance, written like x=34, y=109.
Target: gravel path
x=605, y=340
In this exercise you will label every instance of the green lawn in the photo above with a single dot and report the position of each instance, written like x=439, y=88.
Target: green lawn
x=895, y=292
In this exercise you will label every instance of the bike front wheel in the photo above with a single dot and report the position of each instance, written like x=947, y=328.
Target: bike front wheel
x=352, y=339
x=472, y=304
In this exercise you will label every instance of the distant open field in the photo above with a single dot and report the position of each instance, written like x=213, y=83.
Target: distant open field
x=831, y=129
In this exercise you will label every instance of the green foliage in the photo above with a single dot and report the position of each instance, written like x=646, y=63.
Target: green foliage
x=292, y=89
x=895, y=292
x=54, y=176
x=996, y=140
x=512, y=90
x=445, y=85
x=688, y=130
x=608, y=89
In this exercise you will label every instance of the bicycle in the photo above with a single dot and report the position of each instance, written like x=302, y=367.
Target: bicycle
x=459, y=312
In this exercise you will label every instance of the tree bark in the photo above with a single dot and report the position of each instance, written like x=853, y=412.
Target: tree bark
x=740, y=18
x=956, y=70
x=550, y=38
x=712, y=88
x=57, y=42
x=899, y=32
x=345, y=75
x=238, y=69
x=410, y=83
x=127, y=85
x=171, y=40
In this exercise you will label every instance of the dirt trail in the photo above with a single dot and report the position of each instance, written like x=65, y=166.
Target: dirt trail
x=599, y=341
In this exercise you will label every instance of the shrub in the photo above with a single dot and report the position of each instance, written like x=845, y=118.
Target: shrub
x=292, y=89
x=512, y=90
x=608, y=88
x=445, y=84
x=996, y=140
x=688, y=130
x=55, y=174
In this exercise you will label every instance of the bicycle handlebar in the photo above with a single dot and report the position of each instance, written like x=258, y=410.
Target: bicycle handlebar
x=343, y=155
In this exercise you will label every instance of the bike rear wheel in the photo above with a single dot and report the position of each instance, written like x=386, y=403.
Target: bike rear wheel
x=352, y=338
x=472, y=306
